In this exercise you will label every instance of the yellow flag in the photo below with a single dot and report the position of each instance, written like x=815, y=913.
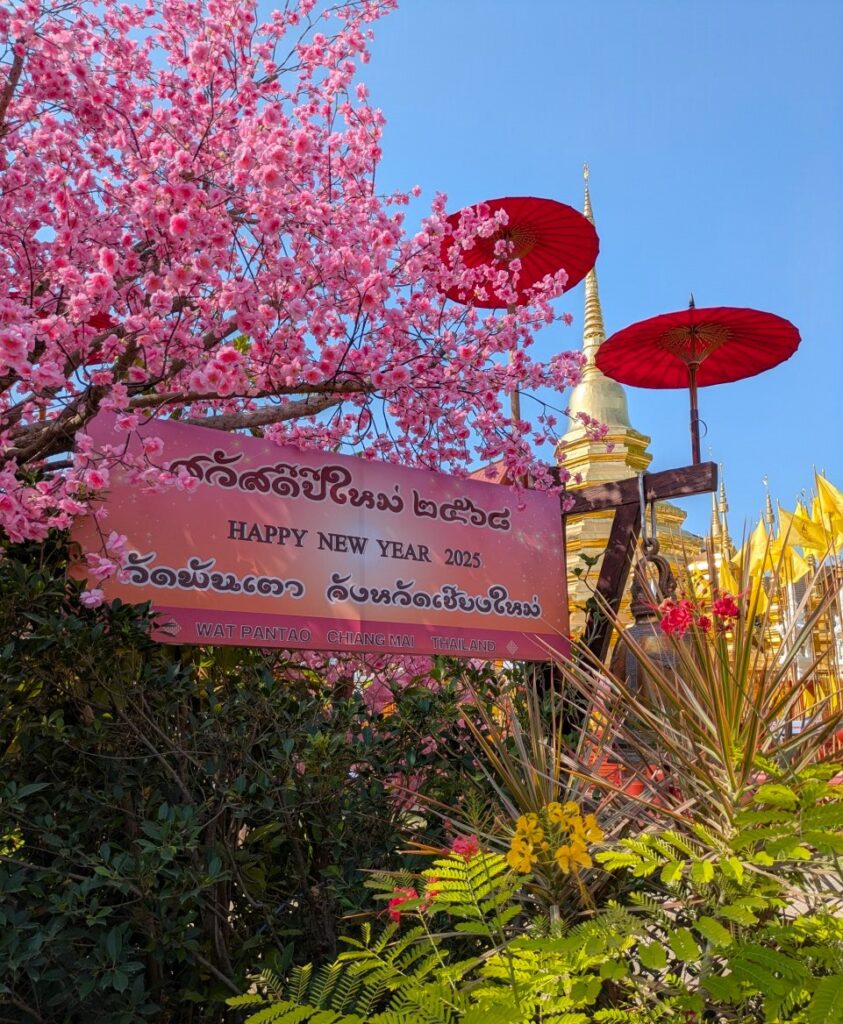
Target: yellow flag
x=801, y=531
x=829, y=506
x=757, y=596
x=752, y=561
x=790, y=565
x=756, y=552
x=830, y=498
x=798, y=566
x=726, y=579
x=832, y=526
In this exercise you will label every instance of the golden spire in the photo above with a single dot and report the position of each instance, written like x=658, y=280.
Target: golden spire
x=723, y=504
x=716, y=528
x=594, y=333
x=722, y=509
x=599, y=397
x=769, y=516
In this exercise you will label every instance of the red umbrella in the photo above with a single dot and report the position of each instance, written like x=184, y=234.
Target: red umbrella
x=547, y=236
x=696, y=348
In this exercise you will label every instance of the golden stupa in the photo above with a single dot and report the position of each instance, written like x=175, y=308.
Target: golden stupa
x=622, y=453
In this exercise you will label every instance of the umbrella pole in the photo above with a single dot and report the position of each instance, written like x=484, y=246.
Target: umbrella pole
x=515, y=397
x=695, y=413
x=515, y=401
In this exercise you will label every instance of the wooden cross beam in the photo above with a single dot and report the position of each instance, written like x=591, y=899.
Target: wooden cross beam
x=624, y=495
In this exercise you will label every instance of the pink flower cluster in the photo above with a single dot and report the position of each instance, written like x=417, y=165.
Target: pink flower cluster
x=726, y=607
x=466, y=847
x=678, y=616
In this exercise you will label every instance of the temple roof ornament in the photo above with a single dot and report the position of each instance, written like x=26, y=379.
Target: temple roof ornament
x=598, y=397
x=719, y=531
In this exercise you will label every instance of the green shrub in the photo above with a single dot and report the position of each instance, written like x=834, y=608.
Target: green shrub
x=170, y=816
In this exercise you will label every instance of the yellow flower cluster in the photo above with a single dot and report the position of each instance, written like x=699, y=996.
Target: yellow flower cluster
x=559, y=833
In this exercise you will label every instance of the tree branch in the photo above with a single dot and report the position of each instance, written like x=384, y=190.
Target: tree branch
x=9, y=91
x=269, y=414
x=349, y=387
x=217, y=973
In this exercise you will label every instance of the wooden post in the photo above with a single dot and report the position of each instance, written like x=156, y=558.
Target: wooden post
x=614, y=572
x=624, y=495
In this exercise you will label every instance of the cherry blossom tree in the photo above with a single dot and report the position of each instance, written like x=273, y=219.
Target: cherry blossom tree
x=190, y=227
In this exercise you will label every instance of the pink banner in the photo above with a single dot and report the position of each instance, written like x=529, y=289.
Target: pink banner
x=275, y=547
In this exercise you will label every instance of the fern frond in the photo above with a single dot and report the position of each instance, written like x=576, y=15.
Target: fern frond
x=299, y=984
x=651, y=907
x=270, y=983
x=247, y=999
x=324, y=983
x=826, y=1006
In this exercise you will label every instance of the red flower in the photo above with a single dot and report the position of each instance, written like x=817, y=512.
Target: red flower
x=430, y=893
x=400, y=897
x=704, y=623
x=466, y=847
x=676, y=618
x=725, y=607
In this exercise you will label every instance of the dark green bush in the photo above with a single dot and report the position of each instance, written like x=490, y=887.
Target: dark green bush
x=171, y=816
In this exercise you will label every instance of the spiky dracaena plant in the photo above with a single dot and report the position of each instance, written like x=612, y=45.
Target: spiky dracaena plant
x=737, y=693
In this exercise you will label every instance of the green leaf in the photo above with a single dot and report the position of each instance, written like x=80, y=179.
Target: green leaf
x=653, y=956
x=702, y=871
x=825, y=842
x=672, y=871
x=733, y=868
x=684, y=945
x=30, y=788
x=113, y=943
x=613, y=970
x=585, y=990
x=737, y=912
x=713, y=931
x=612, y=860
x=724, y=988
x=776, y=794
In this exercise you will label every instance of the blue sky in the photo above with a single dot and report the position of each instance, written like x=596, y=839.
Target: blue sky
x=713, y=133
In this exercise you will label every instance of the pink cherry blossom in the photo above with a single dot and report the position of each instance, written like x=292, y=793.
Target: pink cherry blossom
x=153, y=445
x=179, y=224
x=97, y=479
x=198, y=232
